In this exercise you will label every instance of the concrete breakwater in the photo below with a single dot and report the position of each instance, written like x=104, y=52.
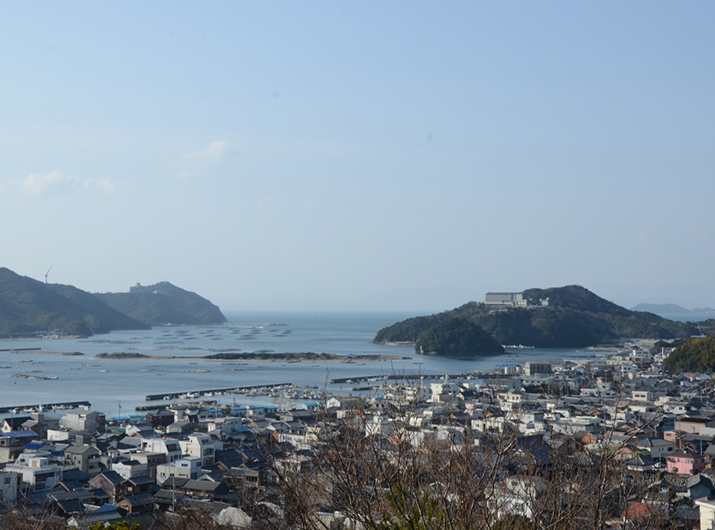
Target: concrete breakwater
x=401, y=377
x=216, y=392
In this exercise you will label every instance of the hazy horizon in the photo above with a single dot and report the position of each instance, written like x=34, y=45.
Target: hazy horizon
x=393, y=156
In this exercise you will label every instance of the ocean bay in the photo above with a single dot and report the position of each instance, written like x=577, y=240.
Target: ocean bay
x=118, y=386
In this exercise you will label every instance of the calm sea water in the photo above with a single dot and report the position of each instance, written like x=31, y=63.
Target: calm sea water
x=688, y=317
x=115, y=386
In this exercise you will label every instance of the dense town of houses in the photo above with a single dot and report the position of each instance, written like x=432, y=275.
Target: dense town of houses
x=89, y=470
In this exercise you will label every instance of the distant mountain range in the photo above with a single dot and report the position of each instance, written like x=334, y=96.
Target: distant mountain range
x=574, y=318
x=29, y=307
x=672, y=309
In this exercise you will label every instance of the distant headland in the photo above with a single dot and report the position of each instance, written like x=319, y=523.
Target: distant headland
x=30, y=308
x=164, y=303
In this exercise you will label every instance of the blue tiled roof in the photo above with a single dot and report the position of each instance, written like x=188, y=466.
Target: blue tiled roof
x=19, y=434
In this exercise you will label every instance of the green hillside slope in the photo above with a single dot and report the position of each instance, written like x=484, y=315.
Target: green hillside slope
x=695, y=355
x=30, y=307
x=457, y=337
x=574, y=318
x=164, y=303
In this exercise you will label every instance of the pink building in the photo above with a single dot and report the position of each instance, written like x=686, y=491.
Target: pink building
x=684, y=463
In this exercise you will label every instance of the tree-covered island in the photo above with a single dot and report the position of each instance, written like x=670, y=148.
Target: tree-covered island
x=561, y=317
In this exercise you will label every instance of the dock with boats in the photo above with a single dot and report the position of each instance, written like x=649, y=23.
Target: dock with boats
x=44, y=406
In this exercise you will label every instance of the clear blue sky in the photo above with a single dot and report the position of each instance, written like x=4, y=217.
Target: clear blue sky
x=274, y=155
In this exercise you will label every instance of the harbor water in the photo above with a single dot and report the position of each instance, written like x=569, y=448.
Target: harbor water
x=118, y=386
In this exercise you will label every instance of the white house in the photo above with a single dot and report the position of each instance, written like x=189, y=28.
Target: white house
x=36, y=471
x=188, y=468
x=83, y=420
x=202, y=446
x=168, y=446
x=130, y=469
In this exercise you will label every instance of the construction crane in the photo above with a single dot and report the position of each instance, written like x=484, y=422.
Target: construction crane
x=48, y=272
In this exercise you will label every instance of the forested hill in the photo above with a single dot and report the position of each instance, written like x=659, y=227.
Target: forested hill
x=28, y=307
x=695, y=355
x=164, y=303
x=574, y=318
x=457, y=337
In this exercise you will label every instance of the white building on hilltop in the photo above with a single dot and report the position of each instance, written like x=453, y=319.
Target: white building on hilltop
x=510, y=299
x=513, y=300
